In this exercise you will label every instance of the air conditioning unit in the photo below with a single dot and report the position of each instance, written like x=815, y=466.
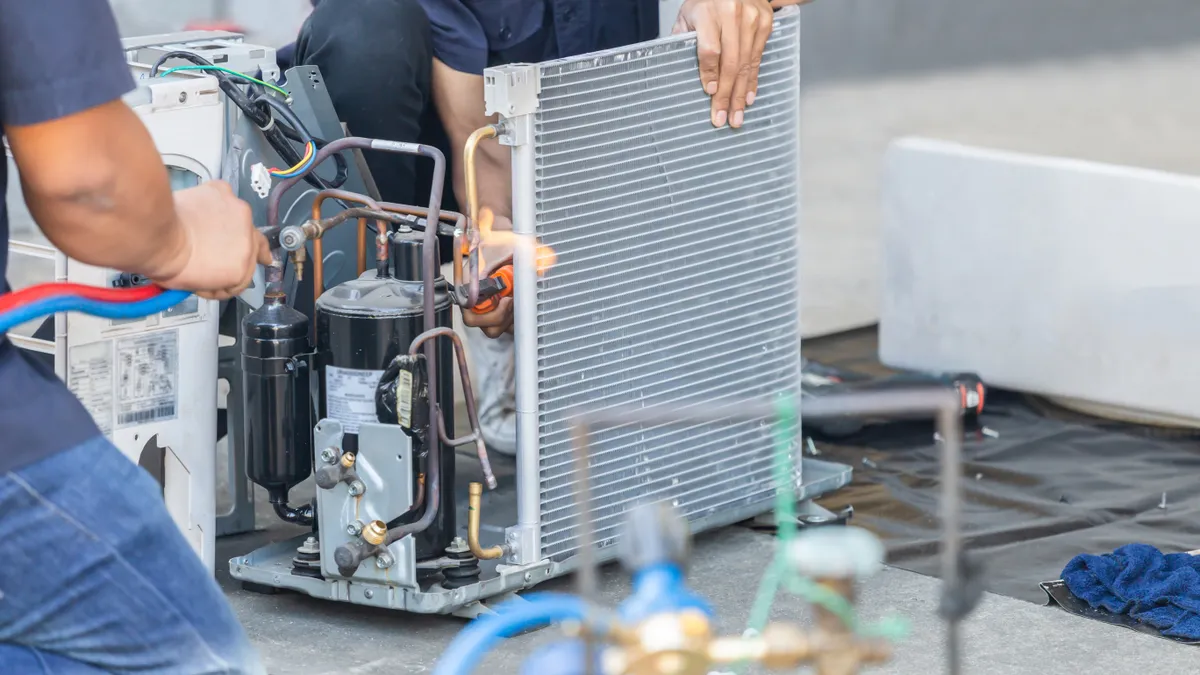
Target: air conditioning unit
x=150, y=384
x=676, y=283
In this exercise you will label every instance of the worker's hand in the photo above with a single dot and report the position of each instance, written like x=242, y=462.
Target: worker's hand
x=219, y=249
x=780, y=4
x=492, y=256
x=500, y=320
x=730, y=38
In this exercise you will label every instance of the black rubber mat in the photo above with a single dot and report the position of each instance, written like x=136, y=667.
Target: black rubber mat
x=1042, y=485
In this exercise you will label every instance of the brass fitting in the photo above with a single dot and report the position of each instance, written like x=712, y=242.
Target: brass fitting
x=348, y=460
x=780, y=647
x=474, y=502
x=375, y=532
x=299, y=257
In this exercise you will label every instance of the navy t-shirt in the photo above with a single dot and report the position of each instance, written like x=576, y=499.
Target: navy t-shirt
x=57, y=58
x=467, y=32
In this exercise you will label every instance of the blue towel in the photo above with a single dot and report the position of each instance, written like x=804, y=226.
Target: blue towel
x=1157, y=589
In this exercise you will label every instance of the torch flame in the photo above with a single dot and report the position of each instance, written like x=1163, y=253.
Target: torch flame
x=544, y=255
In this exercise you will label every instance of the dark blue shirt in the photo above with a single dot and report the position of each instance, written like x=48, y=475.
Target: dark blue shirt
x=57, y=58
x=469, y=35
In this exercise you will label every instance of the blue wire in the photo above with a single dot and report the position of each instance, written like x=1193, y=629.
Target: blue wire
x=104, y=310
x=303, y=167
x=511, y=618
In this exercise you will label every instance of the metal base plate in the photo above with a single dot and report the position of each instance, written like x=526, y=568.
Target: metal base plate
x=271, y=566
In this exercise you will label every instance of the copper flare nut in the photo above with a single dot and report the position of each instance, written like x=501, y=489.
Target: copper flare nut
x=348, y=460
x=375, y=532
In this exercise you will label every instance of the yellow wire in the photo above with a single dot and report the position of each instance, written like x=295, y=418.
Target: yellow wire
x=308, y=153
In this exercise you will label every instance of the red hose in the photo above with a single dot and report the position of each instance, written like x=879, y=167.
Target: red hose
x=43, y=291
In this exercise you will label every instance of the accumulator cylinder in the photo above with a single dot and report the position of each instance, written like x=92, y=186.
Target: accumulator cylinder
x=278, y=406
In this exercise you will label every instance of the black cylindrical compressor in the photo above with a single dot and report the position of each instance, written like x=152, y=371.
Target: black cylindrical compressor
x=362, y=325
x=277, y=403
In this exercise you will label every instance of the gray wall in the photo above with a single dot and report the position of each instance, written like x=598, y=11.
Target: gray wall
x=857, y=38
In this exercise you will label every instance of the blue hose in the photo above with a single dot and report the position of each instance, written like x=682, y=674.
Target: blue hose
x=104, y=310
x=511, y=618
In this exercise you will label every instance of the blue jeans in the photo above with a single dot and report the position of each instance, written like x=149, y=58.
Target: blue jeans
x=95, y=577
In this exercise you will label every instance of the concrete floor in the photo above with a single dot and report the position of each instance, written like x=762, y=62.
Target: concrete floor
x=298, y=635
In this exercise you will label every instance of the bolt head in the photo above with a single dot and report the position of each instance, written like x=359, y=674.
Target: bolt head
x=329, y=455
x=528, y=576
x=357, y=488
x=354, y=529
x=384, y=561
x=369, y=593
x=183, y=97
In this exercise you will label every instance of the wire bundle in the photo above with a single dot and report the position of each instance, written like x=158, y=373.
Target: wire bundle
x=43, y=300
x=260, y=104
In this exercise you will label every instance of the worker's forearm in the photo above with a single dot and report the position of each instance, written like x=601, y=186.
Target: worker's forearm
x=110, y=203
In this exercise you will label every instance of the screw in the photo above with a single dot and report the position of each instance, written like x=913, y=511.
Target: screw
x=183, y=97
x=384, y=561
x=357, y=488
x=329, y=455
x=354, y=529
x=369, y=593
x=528, y=576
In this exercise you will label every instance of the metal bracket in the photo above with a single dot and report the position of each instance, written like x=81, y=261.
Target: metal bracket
x=808, y=514
x=511, y=91
x=516, y=131
x=485, y=607
x=523, y=540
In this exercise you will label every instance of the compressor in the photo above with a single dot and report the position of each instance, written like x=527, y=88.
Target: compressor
x=374, y=361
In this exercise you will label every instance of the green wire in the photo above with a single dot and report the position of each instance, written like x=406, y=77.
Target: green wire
x=223, y=69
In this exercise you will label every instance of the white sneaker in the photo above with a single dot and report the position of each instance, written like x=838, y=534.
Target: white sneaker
x=493, y=369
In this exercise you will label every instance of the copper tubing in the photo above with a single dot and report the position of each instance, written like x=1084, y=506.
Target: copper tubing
x=471, y=234
x=470, y=175
x=460, y=230
x=474, y=503
x=418, y=503
x=476, y=436
x=318, y=249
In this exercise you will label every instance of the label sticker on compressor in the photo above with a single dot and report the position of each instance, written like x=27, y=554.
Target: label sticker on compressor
x=147, y=378
x=90, y=378
x=350, y=396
